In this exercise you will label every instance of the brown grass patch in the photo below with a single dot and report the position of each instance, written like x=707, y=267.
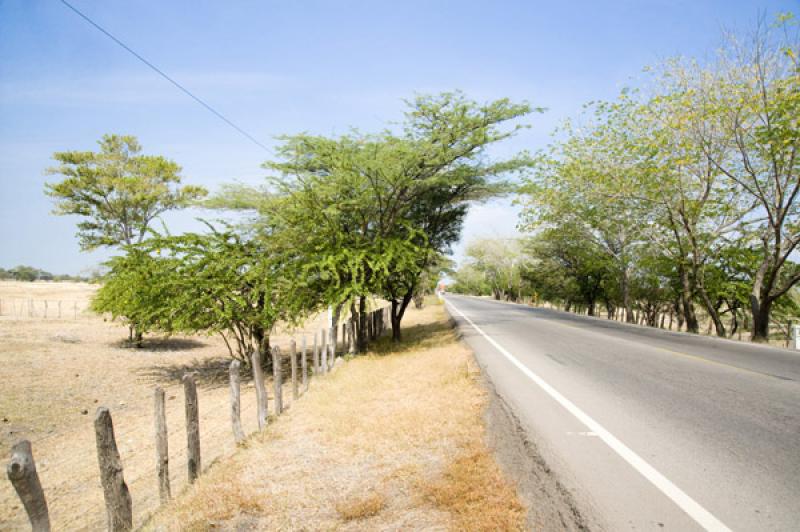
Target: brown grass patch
x=391, y=419
x=361, y=507
x=474, y=491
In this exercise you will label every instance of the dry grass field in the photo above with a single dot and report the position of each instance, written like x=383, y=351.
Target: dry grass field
x=56, y=372
x=393, y=440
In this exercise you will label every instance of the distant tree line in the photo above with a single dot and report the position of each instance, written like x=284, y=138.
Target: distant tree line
x=675, y=200
x=29, y=273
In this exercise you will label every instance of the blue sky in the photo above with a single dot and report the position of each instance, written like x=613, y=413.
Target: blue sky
x=286, y=67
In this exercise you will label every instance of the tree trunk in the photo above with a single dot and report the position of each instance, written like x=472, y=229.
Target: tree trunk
x=689, y=315
x=626, y=296
x=713, y=312
x=262, y=348
x=398, y=310
x=760, y=307
x=362, y=324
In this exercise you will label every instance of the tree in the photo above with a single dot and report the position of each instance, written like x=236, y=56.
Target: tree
x=755, y=99
x=368, y=214
x=116, y=191
x=217, y=283
x=140, y=289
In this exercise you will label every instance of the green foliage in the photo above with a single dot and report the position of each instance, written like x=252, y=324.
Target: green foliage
x=139, y=289
x=116, y=191
x=370, y=214
x=215, y=283
x=684, y=195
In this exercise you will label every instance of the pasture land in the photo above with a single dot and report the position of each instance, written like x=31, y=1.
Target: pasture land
x=56, y=372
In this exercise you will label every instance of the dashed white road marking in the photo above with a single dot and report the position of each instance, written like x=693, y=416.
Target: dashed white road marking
x=703, y=517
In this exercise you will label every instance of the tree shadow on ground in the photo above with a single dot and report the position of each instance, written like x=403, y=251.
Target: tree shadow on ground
x=422, y=336
x=162, y=344
x=208, y=373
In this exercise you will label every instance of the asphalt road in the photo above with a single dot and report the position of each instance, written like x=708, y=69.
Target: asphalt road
x=649, y=430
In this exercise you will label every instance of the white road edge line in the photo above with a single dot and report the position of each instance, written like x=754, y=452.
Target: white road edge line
x=703, y=517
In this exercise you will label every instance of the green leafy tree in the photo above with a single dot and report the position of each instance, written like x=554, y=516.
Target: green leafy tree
x=117, y=191
x=368, y=214
x=140, y=289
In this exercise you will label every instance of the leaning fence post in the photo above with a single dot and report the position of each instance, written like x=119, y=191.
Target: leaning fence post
x=236, y=401
x=162, y=446
x=22, y=473
x=261, y=391
x=277, y=378
x=192, y=427
x=115, y=491
x=293, y=354
x=304, y=365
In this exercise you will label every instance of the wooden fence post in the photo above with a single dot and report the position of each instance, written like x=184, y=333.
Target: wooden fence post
x=261, y=391
x=162, y=446
x=192, y=427
x=277, y=378
x=323, y=366
x=304, y=364
x=332, y=348
x=351, y=347
x=236, y=401
x=293, y=354
x=22, y=473
x=115, y=491
x=315, y=361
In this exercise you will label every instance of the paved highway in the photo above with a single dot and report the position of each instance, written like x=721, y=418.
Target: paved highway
x=649, y=430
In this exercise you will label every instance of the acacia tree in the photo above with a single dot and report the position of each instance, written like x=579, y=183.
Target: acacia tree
x=216, y=283
x=117, y=191
x=139, y=289
x=368, y=214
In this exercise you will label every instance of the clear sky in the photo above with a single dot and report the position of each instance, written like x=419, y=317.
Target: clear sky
x=291, y=66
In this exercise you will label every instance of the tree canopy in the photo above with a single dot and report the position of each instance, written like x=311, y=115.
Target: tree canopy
x=117, y=191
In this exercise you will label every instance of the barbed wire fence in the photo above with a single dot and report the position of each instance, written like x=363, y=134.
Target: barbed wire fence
x=124, y=501
x=24, y=308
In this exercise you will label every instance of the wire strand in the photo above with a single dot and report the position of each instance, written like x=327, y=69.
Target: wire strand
x=165, y=76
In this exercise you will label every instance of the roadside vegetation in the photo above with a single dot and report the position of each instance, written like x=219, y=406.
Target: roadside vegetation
x=338, y=221
x=677, y=200
x=392, y=440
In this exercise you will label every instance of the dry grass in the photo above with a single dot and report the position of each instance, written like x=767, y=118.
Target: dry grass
x=387, y=442
x=361, y=507
x=474, y=491
x=53, y=370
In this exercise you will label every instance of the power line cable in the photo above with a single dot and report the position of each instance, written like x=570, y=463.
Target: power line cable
x=165, y=76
